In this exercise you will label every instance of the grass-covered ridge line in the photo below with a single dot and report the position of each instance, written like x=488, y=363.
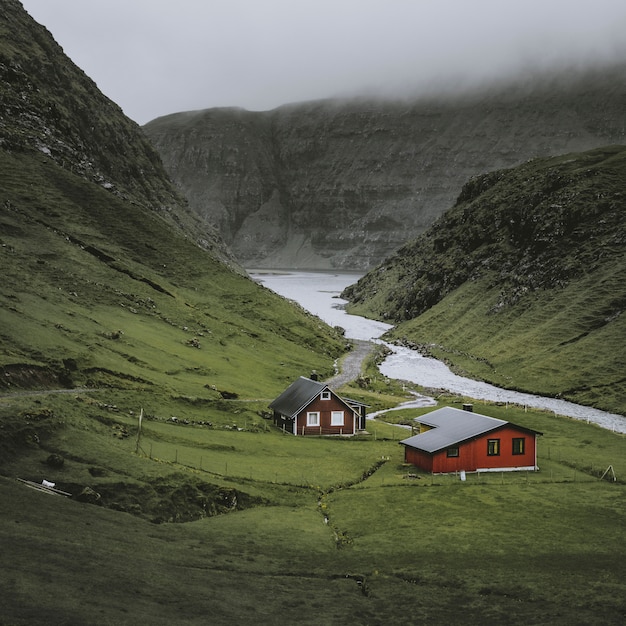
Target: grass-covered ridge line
x=212, y=515
x=107, y=281
x=521, y=282
x=93, y=291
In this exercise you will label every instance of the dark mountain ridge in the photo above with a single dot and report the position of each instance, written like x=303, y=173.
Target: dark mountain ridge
x=49, y=105
x=91, y=227
x=525, y=273
x=344, y=183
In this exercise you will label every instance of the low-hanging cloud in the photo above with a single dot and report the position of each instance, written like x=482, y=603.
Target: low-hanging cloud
x=155, y=57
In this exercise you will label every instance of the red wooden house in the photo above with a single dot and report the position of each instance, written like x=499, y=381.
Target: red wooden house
x=452, y=440
x=309, y=407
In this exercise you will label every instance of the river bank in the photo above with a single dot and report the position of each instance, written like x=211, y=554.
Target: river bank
x=319, y=292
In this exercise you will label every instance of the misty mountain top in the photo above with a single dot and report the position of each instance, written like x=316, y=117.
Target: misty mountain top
x=344, y=183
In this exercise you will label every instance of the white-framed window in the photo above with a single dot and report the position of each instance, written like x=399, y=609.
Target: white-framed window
x=336, y=418
x=325, y=395
x=313, y=418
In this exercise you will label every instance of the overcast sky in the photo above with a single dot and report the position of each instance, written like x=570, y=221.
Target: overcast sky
x=154, y=57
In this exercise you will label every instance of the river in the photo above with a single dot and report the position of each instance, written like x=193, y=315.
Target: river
x=318, y=292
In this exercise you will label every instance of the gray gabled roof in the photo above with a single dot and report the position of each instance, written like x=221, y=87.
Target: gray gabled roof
x=452, y=426
x=352, y=402
x=300, y=393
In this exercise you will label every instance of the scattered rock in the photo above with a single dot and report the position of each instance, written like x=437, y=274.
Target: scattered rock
x=56, y=461
x=229, y=395
x=120, y=431
x=89, y=496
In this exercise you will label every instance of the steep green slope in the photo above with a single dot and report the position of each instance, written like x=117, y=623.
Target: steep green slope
x=522, y=281
x=92, y=285
x=107, y=304
x=107, y=278
x=49, y=105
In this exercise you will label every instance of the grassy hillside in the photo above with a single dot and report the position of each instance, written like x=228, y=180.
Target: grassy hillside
x=109, y=312
x=99, y=293
x=299, y=530
x=521, y=283
x=48, y=105
x=108, y=280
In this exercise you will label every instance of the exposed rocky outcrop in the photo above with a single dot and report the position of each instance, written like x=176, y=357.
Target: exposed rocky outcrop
x=343, y=184
x=49, y=105
x=534, y=227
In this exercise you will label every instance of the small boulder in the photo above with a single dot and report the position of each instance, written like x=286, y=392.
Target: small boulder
x=89, y=496
x=56, y=461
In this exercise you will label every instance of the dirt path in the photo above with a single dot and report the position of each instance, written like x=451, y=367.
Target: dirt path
x=350, y=370
x=352, y=363
x=41, y=392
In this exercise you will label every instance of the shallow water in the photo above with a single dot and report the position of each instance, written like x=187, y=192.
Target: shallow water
x=318, y=292
x=406, y=364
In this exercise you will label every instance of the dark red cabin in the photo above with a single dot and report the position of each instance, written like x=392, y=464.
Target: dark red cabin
x=309, y=407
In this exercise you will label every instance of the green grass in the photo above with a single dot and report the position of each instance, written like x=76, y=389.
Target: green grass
x=521, y=282
x=91, y=284
x=527, y=352
x=504, y=553
x=398, y=545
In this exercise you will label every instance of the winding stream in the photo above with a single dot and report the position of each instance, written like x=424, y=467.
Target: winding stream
x=318, y=292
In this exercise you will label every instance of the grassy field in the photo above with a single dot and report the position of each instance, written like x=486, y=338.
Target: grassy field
x=298, y=530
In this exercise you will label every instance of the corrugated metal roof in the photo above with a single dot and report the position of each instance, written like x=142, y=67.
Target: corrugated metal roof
x=451, y=426
x=300, y=393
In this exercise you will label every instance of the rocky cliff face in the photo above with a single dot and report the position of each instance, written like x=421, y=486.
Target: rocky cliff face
x=49, y=105
x=532, y=228
x=344, y=184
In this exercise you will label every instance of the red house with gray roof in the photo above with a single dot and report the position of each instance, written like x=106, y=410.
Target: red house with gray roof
x=452, y=440
x=309, y=407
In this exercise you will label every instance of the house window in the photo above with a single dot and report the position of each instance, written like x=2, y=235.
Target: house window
x=325, y=395
x=313, y=418
x=519, y=445
x=452, y=452
x=493, y=447
x=336, y=418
